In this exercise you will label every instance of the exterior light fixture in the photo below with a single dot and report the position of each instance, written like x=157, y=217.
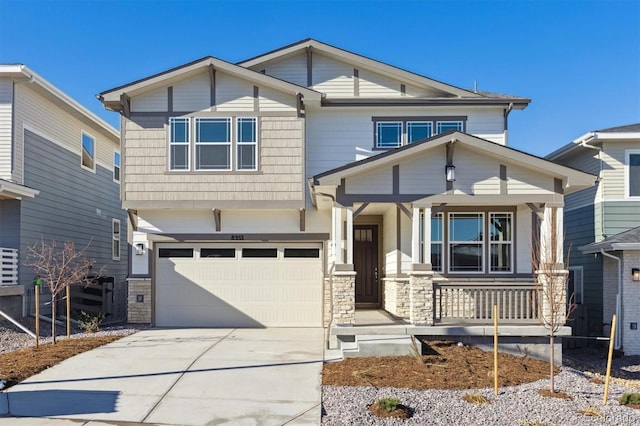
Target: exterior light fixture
x=635, y=274
x=450, y=172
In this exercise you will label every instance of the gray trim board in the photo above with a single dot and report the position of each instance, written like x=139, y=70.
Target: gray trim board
x=348, y=199
x=309, y=66
x=503, y=179
x=395, y=179
x=214, y=113
x=256, y=98
x=203, y=204
x=356, y=82
x=558, y=188
x=212, y=87
x=407, y=101
x=170, y=99
x=403, y=90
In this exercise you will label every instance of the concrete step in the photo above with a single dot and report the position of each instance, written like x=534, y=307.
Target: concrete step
x=390, y=345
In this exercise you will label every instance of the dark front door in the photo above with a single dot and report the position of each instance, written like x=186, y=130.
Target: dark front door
x=365, y=263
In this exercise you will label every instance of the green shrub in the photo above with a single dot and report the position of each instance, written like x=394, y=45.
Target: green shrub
x=388, y=404
x=90, y=323
x=630, y=398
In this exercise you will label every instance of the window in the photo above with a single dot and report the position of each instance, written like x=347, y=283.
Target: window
x=394, y=132
x=259, y=252
x=632, y=178
x=466, y=242
x=501, y=243
x=247, y=144
x=88, y=152
x=115, y=246
x=175, y=252
x=116, y=166
x=179, y=144
x=217, y=252
x=213, y=144
x=436, y=242
x=302, y=252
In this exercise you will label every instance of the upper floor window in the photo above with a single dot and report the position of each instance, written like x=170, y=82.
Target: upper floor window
x=115, y=247
x=88, y=152
x=632, y=168
x=116, y=166
x=216, y=143
x=394, y=132
x=179, y=140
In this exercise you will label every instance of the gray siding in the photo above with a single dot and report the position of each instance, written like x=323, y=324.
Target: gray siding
x=580, y=231
x=73, y=204
x=10, y=224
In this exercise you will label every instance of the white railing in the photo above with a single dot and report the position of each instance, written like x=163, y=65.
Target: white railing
x=471, y=302
x=9, y=264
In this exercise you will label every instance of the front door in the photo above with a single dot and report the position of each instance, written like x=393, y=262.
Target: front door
x=365, y=263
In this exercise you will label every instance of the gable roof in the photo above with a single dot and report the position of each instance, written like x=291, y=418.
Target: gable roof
x=575, y=179
x=22, y=72
x=381, y=67
x=111, y=98
x=627, y=240
x=626, y=132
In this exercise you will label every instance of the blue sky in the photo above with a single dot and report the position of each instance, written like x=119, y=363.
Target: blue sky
x=579, y=61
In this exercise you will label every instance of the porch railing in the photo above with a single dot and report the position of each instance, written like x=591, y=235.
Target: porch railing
x=9, y=266
x=473, y=302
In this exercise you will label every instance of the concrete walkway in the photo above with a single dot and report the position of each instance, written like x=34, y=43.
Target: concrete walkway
x=182, y=377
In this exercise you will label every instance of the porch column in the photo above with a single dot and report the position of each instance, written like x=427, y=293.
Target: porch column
x=421, y=297
x=336, y=223
x=551, y=236
x=426, y=242
x=415, y=236
x=349, y=231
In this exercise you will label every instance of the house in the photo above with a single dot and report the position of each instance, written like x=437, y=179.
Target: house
x=59, y=180
x=601, y=225
x=302, y=185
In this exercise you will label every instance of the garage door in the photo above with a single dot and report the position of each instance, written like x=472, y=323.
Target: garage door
x=240, y=285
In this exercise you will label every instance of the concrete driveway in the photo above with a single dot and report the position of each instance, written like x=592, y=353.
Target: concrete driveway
x=184, y=377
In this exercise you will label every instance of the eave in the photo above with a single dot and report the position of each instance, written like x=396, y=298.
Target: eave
x=520, y=103
x=14, y=191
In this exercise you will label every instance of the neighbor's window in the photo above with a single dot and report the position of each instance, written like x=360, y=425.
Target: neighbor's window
x=466, y=242
x=179, y=144
x=88, y=152
x=501, y=244
x=213, y=144
x=116, y=166
x=633, y=173
x=247, y=143
x=115, y=251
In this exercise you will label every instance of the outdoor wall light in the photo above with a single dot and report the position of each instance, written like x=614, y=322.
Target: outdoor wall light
x=635, y=274
x=450, y=172
x=139, y=249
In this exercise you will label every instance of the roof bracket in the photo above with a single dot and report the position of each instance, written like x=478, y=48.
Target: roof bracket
x=217, y=218
x=302, y=219
x=536, y=210
x=360, y=210
x=405, y=210
x=437, y=210
x=133, y=218
x=125, y=100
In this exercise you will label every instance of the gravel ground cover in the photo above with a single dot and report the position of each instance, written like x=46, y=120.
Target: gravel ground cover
x=517, y=405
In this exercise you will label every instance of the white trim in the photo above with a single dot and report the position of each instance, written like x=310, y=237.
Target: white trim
x=94, y=147
x=349, y=235
x=119, y=167
x=115, y=240
x=581, y=284
x=627, y=157
x=187, y=143
x=510, y=242
x=228, y=143
x=449, y=242
x=415, y=236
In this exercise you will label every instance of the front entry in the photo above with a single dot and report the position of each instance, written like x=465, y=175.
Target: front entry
x=365, y=264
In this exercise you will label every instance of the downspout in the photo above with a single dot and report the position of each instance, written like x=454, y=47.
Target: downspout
x=618, y=297
x=585, y=143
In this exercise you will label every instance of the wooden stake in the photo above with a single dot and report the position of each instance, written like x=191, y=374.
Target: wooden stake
x=495, y=349
x=611, y=344
x=36, y=290
x=68, y=312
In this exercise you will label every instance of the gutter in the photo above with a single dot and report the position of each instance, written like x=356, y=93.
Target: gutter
x=618, y=344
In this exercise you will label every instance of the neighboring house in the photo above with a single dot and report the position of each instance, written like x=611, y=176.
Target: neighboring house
x=298, y=186
x=59, y=180
x=601, y=225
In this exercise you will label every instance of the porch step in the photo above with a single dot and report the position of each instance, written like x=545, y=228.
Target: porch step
x=376, y=345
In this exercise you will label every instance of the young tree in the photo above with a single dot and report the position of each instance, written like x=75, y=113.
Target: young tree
x=58, y=265
x=551, y=273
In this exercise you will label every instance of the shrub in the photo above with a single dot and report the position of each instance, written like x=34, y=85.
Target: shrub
x=475, y=398
x=388, y=404
x=90, y=323
x=630, y=398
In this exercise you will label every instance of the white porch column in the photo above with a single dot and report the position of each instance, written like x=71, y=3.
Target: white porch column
x=415, y=236
x=426, y=243
x=336, y=222
x=560, y=231
x=349, y=259
x=552, y=235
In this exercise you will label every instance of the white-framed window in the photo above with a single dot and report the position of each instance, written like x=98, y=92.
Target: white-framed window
x=88, y=152
x=466, y=242
x=179, y=141
x=247, y=143
x=575, y=285
x=632, y=173
x=115, y=241
x=501, y=242
x=213, y=143
x=393, y=132
x=116, y=166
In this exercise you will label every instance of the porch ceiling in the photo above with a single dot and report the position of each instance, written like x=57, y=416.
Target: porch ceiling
x=14, y=191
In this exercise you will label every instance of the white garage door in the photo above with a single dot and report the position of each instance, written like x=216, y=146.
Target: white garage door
x=240, y=285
